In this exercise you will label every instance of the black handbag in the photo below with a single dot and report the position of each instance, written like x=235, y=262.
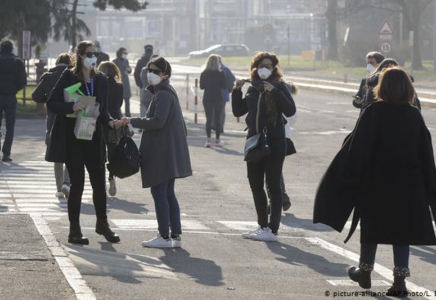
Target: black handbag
x=125, y=160
x=256, y=146
x=290, y=148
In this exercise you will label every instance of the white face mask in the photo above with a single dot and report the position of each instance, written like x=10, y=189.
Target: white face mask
x=90, y=62
x=153, y=79
x=370, y=68
x=124, y=56
x=264, y=73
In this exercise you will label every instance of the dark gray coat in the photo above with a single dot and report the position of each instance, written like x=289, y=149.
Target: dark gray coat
x=164, y=148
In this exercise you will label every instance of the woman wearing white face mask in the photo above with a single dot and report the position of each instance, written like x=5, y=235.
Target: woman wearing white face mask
x=266, y=101
x=76, y=153
x=123, y=65
x=164, y=151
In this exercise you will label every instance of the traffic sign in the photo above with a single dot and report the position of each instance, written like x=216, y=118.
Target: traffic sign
x=386, y=28
x=26, y=54
x=267, y=28
x=386, y=47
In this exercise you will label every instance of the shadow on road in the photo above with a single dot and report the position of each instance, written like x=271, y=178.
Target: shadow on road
x=425, y=253
x=204, y=271
x=294, y=222
x=298, y=257
x=115, y=203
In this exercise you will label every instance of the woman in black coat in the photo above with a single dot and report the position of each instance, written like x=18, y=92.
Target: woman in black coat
x=213, y=81
x=271, y=95
x=385, y=171
x=77, y=153
x=115, y=101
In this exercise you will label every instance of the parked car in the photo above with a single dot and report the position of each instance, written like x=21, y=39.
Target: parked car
x=223, y=50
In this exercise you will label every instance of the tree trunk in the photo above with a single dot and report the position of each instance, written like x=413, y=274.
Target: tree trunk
x=74, y=24
x=332, y=19
x=416, y=26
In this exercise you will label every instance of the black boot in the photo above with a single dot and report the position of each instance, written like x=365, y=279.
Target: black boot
x=286, y=201
x=398, y=288
x=102, y=228
x=362, y=275
x=76, y=236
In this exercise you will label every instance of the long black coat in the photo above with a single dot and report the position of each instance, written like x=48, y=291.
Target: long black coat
x=385, y=171
x=164, y=148
x=63, y=127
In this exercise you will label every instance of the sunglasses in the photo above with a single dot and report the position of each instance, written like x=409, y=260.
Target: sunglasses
x=154, y=71
x=91, y=54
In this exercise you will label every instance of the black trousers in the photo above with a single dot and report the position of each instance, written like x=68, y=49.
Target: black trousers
x=85, y=156
x=270, y=168
x=213, y=112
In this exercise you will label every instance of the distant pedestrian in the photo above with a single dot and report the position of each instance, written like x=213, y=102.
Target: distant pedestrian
x=213, y=81
x=266, y=101
x=115, y=101
x=373, y=59
x=102, y=56
x=12, y=79
x=230, y=83
x=164, y=151
x=41, y=95
x=372, y=81
x=142, y=63
x=123, y=65
x=76, y=153
x=386, y=172
x=146, y=95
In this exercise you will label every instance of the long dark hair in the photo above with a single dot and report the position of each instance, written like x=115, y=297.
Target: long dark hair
x=77, y=64
x=276, y=73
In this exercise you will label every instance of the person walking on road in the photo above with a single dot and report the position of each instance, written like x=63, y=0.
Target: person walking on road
x=123, y=65
x=76, y=153
x=142, y=63
x=12, y=79
x=102, y=56
x=41, y=94
x=164, y=151
x=115, y=101
x=373, y=59
x=267, y=100
x=386, y=172
x=213, y=81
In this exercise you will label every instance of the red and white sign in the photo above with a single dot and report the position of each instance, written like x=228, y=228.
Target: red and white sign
x=385, y=32
x=26, y=46
x=386, y=47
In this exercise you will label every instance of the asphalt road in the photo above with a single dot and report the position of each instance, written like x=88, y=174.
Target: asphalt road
x=309, y=262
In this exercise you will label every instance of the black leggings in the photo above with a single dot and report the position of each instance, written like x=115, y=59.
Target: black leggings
x=213, y=111
x=271, y=168
x=96, y=171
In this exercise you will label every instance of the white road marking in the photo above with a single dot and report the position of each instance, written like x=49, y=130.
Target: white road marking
x=352, y=283
x=383, y=271
x=72, y=275
x=332, y=132
x=240, y=225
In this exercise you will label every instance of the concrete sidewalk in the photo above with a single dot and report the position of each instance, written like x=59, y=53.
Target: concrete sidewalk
x=28, y=268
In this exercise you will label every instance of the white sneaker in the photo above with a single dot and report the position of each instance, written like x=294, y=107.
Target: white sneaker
x=250, y=234
x=177, y=242
x=112, y=187
x=59, y=195
x=158, y=242
x=266, y=235
x=66, y=190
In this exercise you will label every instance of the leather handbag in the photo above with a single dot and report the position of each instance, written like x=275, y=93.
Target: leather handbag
x=256, y=146
x=125, y=160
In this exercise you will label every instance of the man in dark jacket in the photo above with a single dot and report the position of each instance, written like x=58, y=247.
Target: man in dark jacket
x=373, y=59
x=142, y=62
x=12, y=80
x=102, y=56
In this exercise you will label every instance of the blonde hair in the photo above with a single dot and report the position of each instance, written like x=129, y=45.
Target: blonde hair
x=110, y=69
x=213, y=63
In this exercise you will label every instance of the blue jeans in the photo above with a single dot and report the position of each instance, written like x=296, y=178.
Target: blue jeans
x=8, y=105
x=401, y=254
x=167, y=208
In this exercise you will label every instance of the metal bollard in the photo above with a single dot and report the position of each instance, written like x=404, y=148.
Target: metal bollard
x=196, y=101
x=187, y=91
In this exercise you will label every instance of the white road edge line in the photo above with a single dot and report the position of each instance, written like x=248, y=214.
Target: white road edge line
x=71, y=273
x=383, y=271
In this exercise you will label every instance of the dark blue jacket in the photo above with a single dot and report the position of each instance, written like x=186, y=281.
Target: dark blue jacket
x=12, y=74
